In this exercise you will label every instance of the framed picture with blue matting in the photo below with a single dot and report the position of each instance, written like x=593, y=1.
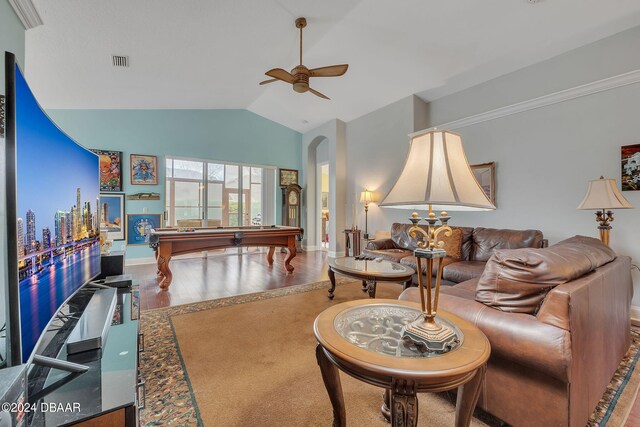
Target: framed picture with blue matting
x=139, y=225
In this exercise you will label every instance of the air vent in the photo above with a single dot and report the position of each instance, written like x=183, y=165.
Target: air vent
x=120, y=60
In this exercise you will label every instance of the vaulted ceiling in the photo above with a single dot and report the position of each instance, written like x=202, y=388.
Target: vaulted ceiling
x=209, y=54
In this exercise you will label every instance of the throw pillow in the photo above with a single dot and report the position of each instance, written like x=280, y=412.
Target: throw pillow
x=453, y=243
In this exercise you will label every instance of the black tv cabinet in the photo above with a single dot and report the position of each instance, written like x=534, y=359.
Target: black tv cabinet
x=110, y=392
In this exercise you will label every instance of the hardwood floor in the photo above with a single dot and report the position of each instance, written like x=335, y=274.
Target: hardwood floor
x=224, y=275
x=217, y=276
x=634, y=416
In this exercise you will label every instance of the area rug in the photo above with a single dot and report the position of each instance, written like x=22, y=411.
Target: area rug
x=250, y=361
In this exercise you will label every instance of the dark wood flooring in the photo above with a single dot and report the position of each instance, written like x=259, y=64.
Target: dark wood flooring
x=224, y=275
x=634, y=416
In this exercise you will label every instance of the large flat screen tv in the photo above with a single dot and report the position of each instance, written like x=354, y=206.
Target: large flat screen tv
x=52, y=216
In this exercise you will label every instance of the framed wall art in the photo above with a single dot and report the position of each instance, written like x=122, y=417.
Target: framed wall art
x=110, y=170
x=485, y=174
x=630, y=162
x=144, y=169
x=288, y=176
x=139, y=225
x=112, y=215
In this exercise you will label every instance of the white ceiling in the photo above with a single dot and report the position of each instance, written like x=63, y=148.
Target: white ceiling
x=201, y=54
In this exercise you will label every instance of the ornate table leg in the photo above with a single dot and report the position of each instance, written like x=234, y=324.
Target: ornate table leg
x=332, y=278
x=386, y=405
x=156, y=254
x=165, y=272
x=364, y=286
x=371, y=288
x=272, y=249
x=404, y=404
x=291, y=247
x=468, y=397
x=331, y=378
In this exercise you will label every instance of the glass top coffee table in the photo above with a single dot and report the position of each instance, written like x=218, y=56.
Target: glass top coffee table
x=362, y=338
x=369, y=272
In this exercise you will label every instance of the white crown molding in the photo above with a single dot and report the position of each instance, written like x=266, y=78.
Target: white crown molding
x=27, y=12
x=609, y=83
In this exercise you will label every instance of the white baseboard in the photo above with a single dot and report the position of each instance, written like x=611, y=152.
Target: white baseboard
x=635, y=315
x=334, y=254
x=310, y=248
x=139, y=261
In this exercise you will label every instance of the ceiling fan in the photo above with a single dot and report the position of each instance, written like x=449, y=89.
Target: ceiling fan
x=299, y=76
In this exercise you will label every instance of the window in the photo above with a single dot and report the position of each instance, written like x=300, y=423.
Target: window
x=207, y=193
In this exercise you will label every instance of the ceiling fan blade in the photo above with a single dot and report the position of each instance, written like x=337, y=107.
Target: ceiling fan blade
x=330, y=71
x=268, y=81
x=316, y=93
x=280, y=74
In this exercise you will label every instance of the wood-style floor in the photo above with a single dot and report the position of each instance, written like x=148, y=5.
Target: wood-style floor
x=224, y=275
x=217, y=276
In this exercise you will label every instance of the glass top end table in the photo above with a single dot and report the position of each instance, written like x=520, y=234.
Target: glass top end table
x=369, y=272
x=378, y=328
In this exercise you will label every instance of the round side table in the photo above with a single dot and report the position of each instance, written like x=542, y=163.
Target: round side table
x=362, y=338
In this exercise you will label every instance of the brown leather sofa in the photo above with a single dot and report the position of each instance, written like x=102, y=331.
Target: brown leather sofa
x=558, y=320
x=477, y=247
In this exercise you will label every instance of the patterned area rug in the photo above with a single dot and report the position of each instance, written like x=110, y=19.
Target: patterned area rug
x=170, y=400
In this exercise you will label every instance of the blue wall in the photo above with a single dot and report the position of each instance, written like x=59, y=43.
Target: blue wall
x=226, y=135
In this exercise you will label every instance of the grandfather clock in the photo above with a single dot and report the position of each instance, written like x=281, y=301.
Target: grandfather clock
x=291, y=205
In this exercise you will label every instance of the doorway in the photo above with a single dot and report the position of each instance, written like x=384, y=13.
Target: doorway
x=324, y=206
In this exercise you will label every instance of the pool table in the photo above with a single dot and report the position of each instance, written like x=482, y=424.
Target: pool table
x=167, y=242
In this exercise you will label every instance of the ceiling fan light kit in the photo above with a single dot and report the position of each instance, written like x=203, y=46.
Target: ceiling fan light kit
x=299, y=75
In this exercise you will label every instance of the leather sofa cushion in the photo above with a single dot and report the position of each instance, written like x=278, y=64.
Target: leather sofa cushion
x=401, y=238
x=598, y=252
x=517, y=280
x=453, y=244
x=466, y=290
x=393, y=255
x=487, y=240
x=463, y=270
x=516, y=337
x=410, y=261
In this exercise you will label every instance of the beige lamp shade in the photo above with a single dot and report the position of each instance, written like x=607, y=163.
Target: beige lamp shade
x=604, y=194
x=366, y=197
x=437, y=173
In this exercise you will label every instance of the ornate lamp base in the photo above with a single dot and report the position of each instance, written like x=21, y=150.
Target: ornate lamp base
x=429, y=335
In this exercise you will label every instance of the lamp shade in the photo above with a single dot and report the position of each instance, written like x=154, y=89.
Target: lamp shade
x=604, y=194
x=437, y=173
x=366, y=197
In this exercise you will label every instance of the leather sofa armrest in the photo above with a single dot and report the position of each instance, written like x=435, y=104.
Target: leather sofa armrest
x=381, y=244
x=517, y=337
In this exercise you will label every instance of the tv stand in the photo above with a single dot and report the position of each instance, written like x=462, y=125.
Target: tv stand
x=63, y=365
x=109, y=390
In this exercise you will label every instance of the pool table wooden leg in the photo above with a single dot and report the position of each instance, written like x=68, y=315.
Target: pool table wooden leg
x=272, y=249
x=165, y=272
x=287, y=261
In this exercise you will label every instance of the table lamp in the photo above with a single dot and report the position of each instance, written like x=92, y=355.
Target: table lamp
x=436, y=175
x=366, y=197
x=603, y=195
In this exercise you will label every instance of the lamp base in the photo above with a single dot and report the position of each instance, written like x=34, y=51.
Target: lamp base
x=430, y=336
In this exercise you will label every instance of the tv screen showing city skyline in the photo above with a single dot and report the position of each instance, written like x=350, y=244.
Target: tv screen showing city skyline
x=57, y=207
